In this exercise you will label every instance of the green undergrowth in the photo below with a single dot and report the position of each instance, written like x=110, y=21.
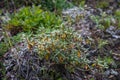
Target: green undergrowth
x=14, y=4
x=78, y=2
x=102, y=4
x=60, y=46
x=9, y=42
x=30, y=19
x=2, y=71
x=60, y=49
x=104, y=21
x=64, y=47
x=55, y=5
x=51, y=5
x=57, y=46
x=117, y=16
x=27, y=20
x=117, y=13
x=5, y=47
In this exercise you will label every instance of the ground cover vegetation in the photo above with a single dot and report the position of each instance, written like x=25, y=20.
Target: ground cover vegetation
x=59, y=40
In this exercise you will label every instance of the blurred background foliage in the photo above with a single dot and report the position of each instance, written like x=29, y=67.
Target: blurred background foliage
x=57, y=5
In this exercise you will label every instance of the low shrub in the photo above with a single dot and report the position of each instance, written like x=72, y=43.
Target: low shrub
x=60, y=46
x=61, y=50
x=57, y=54
x=29, y=19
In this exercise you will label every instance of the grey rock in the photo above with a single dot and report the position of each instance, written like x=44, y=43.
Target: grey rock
x=113, y=72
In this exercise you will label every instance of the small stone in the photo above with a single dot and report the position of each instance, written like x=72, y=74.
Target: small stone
x=107, y=73
x=113, y=72
x=111, y=76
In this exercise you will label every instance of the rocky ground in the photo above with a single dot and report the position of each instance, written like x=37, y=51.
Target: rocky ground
x=87, y=28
